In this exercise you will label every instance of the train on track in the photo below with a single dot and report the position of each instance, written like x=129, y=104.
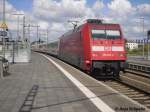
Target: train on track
x=95, y=47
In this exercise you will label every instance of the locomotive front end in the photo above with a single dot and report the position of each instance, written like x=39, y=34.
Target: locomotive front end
x=107, y=49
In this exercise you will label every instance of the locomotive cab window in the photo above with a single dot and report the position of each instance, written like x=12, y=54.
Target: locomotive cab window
x=113, y=34
x=98, y=34
x=105, y=34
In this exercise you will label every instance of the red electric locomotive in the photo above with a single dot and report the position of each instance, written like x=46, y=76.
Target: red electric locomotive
x=95, y=47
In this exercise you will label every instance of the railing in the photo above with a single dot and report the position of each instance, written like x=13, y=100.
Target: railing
x=139, y=67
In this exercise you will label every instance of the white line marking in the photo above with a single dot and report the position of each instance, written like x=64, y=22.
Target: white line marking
x=89, y=94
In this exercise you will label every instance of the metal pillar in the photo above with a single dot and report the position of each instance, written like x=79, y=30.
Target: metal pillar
x=18, y=29
x=4, y=18
x=148, y=55
x=29, y=32
x=18, y=24
x=23, y=32
x=47, y=40
x=142, y=18
x=3, y=46
x=17, y=39
x=1, y=69
x=37, y=36
x=29, y=46
x=13, y=52
x=3, y=39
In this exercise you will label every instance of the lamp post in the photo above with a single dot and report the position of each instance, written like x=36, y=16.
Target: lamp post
x=37, y=35
x=37, y=26
x=142, y=18
x=4, y=19
x=17, y=39
x=4, y=29
x=47, y=32
x=18, y=15
x=148, y=57
x=23, y=28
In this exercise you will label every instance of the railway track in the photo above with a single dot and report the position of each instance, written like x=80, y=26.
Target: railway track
x=146, y=75
x=138, y=81
x=130, y=91
x=136, y=87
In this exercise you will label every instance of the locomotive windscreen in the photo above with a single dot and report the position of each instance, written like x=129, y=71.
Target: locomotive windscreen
x=105, y=34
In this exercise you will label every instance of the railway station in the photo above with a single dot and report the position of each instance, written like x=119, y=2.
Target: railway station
x=53, y=58
x=54, y=86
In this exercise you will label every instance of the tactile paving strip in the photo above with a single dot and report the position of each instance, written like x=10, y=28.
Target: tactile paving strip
x=28, y=102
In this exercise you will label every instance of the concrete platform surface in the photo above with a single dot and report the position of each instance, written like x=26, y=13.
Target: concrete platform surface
x=40, y=86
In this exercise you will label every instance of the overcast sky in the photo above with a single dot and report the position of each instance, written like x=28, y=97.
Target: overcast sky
x=54, y=14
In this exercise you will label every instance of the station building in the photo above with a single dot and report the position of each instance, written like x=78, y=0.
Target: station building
x=132, y=45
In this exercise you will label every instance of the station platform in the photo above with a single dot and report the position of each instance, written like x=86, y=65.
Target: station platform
x=47, y=84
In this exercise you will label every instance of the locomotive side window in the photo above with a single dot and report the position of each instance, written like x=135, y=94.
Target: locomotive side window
x=98, y=34
x=113, y=34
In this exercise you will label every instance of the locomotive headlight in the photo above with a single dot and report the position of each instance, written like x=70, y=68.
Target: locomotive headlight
x=120, y=54
x=87, y=62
